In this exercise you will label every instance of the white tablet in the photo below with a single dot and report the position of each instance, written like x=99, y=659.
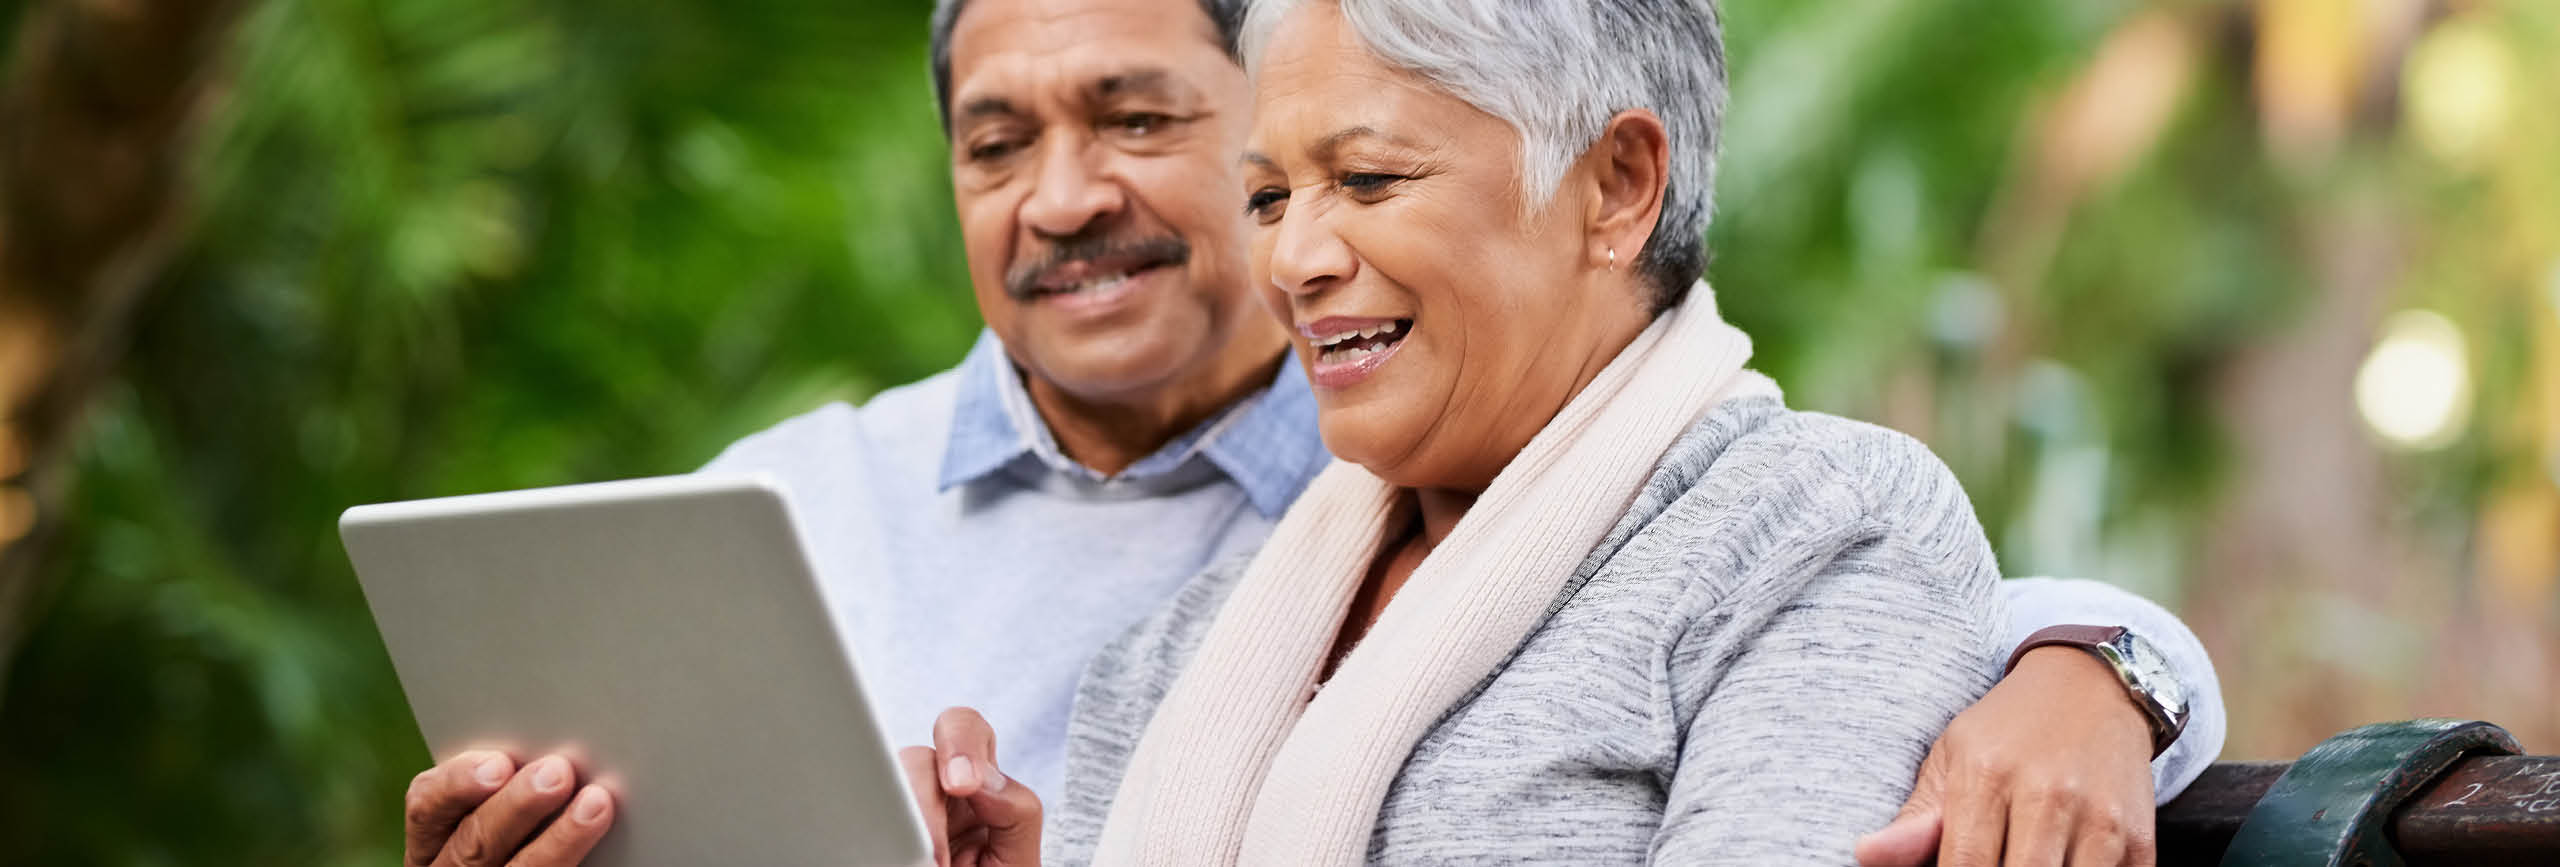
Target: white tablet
x=669, y=635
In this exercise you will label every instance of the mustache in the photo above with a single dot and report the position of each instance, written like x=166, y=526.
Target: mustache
x=1022, y=282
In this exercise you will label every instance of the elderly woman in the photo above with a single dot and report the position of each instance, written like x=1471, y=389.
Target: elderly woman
x=1581, y=589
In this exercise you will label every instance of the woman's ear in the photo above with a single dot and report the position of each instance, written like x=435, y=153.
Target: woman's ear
x=1630, y=166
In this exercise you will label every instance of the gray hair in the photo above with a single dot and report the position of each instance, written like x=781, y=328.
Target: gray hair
x=1226, y=15
x=1557, y=70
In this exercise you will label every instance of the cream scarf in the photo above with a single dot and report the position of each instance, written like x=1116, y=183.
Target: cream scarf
x=1240, y=767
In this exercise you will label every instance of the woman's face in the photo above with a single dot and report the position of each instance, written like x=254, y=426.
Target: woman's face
x=1441, y=319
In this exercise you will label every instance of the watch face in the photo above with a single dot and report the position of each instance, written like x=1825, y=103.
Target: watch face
x=2150, y=674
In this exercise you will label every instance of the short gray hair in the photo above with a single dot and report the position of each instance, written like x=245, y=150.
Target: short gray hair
x=1557, y=70
x=1226, y=15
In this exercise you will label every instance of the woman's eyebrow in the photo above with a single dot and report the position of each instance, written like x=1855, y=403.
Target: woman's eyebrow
x=1326, y=148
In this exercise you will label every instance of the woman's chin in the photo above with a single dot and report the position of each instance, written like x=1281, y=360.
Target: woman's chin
x=1366, y=441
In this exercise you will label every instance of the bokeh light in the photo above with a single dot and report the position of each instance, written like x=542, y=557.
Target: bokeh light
x=2458, y=90
x=2415, y=388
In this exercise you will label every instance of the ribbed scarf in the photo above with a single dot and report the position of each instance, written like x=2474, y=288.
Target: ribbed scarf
x=1240, y=767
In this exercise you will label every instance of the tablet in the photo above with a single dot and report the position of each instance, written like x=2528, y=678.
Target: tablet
x=669, y=636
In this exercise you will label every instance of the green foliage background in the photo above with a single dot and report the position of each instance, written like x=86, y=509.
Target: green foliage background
x=462, y=245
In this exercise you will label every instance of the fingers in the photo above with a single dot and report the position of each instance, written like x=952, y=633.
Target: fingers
x=1908, y=842
x=491, y=834
x=1976, y=825
x=571, y=836
x=2142, y=840
x=2109, y=836
x=442, y=795
x=1008, y=812
x=924, y=782
x=2039, y=830
x=962, y=740
x=1928, y=793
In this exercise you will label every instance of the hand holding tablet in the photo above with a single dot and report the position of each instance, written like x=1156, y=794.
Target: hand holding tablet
x=480, y=808
x=668, y=641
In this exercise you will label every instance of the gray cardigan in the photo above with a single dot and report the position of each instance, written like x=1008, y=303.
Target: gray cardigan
x=1747, y=670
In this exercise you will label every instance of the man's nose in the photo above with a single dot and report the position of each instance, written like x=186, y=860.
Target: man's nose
x=1071, y=192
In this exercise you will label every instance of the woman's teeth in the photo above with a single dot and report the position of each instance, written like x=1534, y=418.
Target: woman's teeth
x=1358, y=344
x=1387, y=328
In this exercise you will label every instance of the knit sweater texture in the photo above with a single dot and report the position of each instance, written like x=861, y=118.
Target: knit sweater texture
x=1747, y=670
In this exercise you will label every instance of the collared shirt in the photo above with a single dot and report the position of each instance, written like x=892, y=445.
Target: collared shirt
x=968, y=561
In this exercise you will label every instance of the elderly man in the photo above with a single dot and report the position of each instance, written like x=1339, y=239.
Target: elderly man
x=1129, y=418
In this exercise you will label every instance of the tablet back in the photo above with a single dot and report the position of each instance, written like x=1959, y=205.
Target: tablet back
x=667, y=634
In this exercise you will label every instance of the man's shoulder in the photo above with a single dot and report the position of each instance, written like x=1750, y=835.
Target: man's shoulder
x=910, y=421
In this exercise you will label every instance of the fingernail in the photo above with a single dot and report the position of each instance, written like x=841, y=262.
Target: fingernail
x=551, y=775
x=960, y=774
x=995, y=779
x=590, y=806
x=491, y=772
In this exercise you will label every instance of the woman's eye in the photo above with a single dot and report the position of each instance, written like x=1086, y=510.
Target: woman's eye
x=1261, y=202
x=1369, y=183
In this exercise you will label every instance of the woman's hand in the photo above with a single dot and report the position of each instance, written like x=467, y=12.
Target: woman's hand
x=2053, y=767
x=978, y=816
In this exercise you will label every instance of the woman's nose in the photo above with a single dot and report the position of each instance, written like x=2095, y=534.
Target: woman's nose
x=1307, y=257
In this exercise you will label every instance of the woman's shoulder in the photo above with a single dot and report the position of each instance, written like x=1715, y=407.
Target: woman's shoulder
x=1753, y=480
x=1758, y=444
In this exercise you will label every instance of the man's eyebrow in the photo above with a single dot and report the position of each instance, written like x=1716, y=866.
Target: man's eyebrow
x=1257, y=159
x=985, y=106
x=1152, y=81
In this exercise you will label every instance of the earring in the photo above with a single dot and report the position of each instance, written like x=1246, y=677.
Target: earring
x=1613, y=258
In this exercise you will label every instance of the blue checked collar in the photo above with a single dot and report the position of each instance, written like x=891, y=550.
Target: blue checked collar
x=1267, y=443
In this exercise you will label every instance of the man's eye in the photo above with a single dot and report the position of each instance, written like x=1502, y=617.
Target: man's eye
x=1262, y=201
x=993, y=150
x=1140, y=123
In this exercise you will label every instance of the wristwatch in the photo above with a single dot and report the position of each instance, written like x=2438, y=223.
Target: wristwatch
x=2145, y=673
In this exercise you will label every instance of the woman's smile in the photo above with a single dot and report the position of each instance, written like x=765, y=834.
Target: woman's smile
x=1347, y=350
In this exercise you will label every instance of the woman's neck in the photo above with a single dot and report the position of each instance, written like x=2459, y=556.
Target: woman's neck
x=1439, y=511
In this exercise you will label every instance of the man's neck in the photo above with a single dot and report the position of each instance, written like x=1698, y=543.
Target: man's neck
x=1109, y=435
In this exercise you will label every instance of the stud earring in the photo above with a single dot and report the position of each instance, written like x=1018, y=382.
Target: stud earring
x=1613, y=258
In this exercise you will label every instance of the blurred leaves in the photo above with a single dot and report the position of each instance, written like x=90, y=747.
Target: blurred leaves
x=446, y=246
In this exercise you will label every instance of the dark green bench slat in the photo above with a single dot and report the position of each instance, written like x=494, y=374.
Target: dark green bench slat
x=2487, y=811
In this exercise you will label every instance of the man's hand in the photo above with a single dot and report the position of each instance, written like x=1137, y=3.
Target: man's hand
x=479, y=810
x=2052, y=768
x=978, y=817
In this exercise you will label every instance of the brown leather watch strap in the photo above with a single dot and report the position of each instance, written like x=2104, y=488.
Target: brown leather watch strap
x=2084, y=637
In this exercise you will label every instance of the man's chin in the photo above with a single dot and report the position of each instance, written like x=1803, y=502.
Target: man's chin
x=1111, y=369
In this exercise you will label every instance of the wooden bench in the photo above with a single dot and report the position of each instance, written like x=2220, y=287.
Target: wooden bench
x=2419, y=792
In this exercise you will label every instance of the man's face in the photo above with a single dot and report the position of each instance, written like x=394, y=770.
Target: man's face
x=1093, y=156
